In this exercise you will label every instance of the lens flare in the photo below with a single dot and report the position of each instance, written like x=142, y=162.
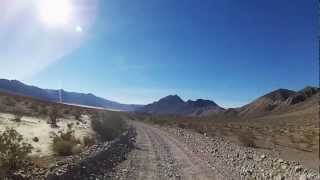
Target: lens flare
x=55, y=12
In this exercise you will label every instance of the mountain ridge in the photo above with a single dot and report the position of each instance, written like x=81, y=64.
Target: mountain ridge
x=87, y=99
x=173, y=104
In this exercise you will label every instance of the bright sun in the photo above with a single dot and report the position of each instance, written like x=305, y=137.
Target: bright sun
x=55, y=12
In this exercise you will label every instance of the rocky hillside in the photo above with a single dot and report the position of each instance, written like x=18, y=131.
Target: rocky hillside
x=173, y=104
x=278, y=100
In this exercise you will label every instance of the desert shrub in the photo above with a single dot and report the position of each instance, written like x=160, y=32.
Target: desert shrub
x=88, y=141
x=108, y=125
x=9, y=102
x=77, y=114
x=34, y=107
x=66, y=112
x=43, y=111
x=65, y=143
x=17, y=116
x=54, y=115
x=12, y=150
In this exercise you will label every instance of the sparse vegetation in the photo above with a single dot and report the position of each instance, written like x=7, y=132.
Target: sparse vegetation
x=17, y=116
x=53, y=117
x=66, y=143
x=9, y=102
x=34, y=107
x=77, y=114
x=108, y=125
x=43, y=111
x=12, y=151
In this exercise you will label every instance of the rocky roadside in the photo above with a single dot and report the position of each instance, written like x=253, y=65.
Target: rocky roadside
x=95, y=162
x=233, y=160
x=98, y=160
x=150, y=159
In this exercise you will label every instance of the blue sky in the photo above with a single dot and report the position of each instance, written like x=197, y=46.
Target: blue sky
x=139, y=51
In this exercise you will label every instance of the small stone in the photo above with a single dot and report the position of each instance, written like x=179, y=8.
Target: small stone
x=35, y=139
x=263, y=156
x=284, y=166
x=280, y=161
x=303, y=177
x=280, y=177
x=249, y=171
x=298, y=169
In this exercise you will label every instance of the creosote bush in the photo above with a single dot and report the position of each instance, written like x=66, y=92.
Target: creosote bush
x=17, y=116
x=66, y=143
x=77, y=115
x=12, y=151
x=108, y=125
x=53, y=117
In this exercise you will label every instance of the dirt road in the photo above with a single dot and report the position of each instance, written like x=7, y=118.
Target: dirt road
x=171, y=153
x=158, y=155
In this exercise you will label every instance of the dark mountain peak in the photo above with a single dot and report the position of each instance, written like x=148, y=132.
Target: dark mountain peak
x=172, y=99
x=279, y=94
x=173, y=104
x=201, y=103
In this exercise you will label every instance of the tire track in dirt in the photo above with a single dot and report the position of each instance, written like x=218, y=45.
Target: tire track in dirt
x=159, y=156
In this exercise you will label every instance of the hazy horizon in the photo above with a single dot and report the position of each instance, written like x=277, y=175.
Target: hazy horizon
x=138, y=52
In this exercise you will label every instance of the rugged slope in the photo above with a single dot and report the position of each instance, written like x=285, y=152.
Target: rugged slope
x=280, y=100
x=17, y=87
x=173, y=104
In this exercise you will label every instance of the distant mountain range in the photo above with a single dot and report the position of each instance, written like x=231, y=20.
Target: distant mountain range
x=17, y=87
x=173, y=104
x=278, y=100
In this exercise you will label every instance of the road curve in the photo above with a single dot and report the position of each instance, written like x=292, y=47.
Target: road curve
x=160, y=156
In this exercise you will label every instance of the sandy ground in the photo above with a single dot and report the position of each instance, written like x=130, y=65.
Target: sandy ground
x=31, y=127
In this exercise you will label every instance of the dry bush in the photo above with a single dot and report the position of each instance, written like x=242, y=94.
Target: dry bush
x=17, y=116
x=77, y=114
x=54, y=115
x=88, y=141
x=66, y=112
x=34, y=107
x=108, y=125
x=65, y=143
x=43, y=111
x=12, y=151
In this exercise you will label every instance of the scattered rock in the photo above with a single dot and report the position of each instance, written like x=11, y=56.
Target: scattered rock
x=35, y=139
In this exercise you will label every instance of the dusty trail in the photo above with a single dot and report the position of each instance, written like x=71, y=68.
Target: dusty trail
x=159, y=156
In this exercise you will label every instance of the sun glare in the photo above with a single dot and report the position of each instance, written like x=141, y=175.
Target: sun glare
x=55, y=12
